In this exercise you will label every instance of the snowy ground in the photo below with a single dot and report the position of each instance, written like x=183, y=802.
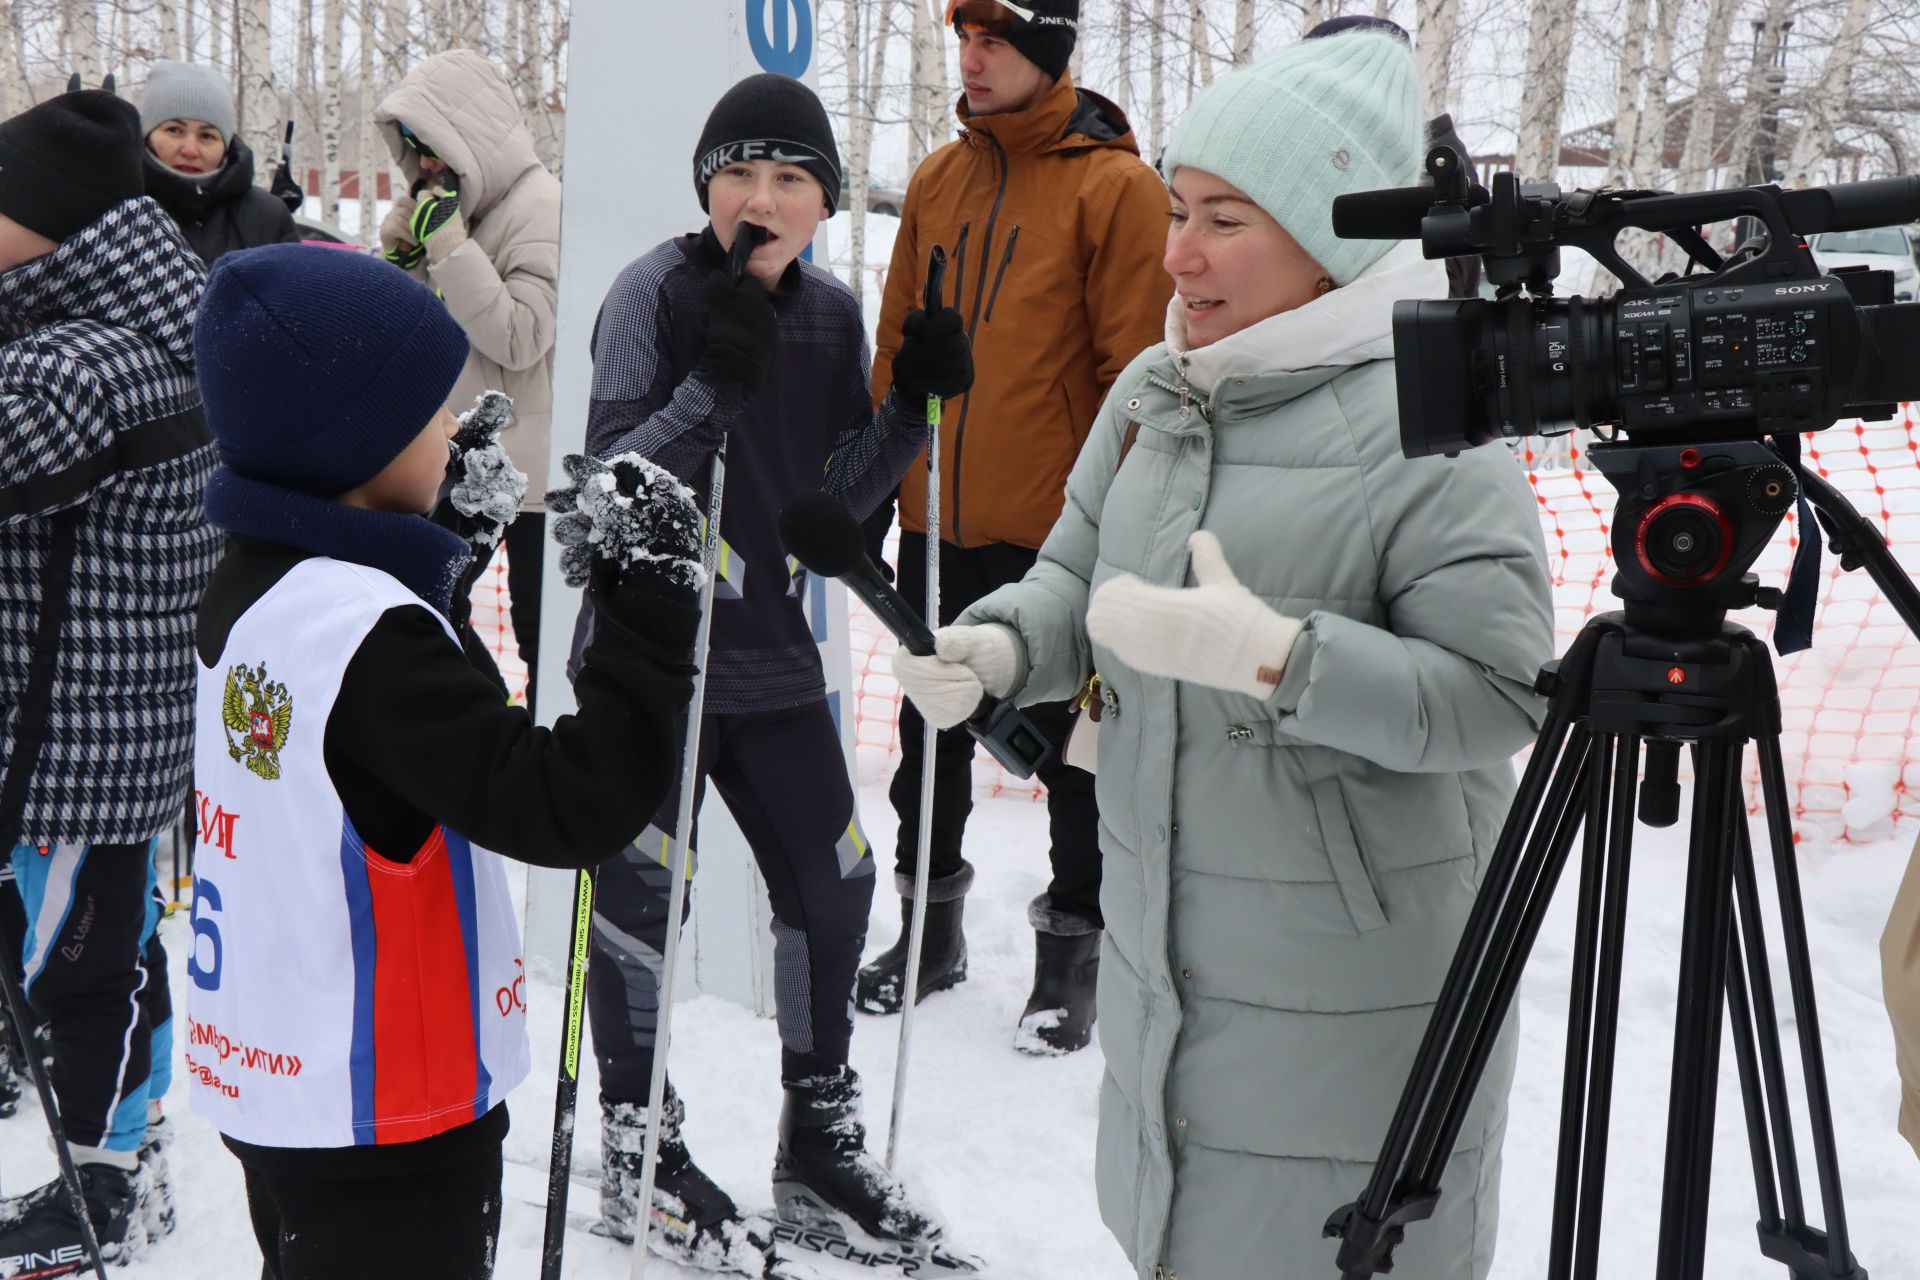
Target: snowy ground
x=1002, y=1143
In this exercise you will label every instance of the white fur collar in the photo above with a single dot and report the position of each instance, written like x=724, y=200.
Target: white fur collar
x=1350, y=325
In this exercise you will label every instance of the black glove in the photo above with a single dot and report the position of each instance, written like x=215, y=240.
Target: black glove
x=935, y=357
x=741, y=331
x=481, y=492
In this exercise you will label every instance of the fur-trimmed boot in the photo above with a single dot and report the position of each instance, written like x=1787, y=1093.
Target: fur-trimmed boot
x=943, y=947
x=1066, y=967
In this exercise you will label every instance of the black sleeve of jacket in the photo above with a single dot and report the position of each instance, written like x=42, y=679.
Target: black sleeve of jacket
x=417, y=736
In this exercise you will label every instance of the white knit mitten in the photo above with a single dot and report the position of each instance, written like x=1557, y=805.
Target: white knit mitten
x=971, y=662
x=1218, y=634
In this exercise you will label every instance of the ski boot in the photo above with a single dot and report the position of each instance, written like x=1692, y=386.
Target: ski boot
x=943, y=947
x=694, y=1222
x=40, y=1234
x=823, y=1175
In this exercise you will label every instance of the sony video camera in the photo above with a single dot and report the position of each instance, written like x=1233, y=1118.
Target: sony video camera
x=1762, y=344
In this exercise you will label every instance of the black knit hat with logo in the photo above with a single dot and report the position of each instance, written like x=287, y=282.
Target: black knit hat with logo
x=769, y=117
x=1044, y=31
x=69, y=160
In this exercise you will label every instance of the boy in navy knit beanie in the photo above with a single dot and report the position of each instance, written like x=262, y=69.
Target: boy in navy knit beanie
x=684, y=353
x=368, y=954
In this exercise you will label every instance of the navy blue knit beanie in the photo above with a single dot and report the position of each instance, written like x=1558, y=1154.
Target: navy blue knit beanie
x=319, y=365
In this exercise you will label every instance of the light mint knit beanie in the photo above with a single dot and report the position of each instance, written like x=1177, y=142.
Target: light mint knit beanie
x=1318, y=119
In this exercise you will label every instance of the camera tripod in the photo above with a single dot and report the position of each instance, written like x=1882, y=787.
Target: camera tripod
x=1658, y=675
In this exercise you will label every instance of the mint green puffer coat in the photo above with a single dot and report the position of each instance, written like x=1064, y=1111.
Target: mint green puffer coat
x=1286, y=879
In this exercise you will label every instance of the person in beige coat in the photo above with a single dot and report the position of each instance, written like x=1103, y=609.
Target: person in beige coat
x=1900, y=982
x=481, y=224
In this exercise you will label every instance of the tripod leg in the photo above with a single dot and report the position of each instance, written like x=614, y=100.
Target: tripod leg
x=1573, y=1095
x=1613, y=941
x=1550, y=794
x=1793, y=929
x=1697, y=1015
x=1763, y=1078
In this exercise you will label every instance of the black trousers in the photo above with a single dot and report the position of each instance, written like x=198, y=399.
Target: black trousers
x=968, y=574
x=784, y=780
x=440, y=1225
x=524, y=570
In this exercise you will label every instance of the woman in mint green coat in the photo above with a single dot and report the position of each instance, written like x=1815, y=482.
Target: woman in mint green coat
x=1317, y=657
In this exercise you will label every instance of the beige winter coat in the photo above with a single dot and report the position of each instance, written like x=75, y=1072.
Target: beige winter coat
x=502, y=284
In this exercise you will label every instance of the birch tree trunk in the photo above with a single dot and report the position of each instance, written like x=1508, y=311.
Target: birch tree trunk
x=81, y=27
x=1123, y=84
x=306, y=85
x=1312, y=14
x=13, y=79
x=1827, y=103
x=1543, y=91
x=335, y=19
x=559, y=34
x=1650, y=150
x=920, y=109
x=369, y=165
x=530, y=64
x=1157, y=82
x=1626, y=96
x=259, y=104
x=170, y=28
x=1703, y=120
x=393, y=26
x=119, y=56
x=1242, y=32
x=1435, y=23
x=939, y=85
x=1200, y=49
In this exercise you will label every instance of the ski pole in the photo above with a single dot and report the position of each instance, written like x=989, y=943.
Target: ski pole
x=567, y=1090
x=17, y=1013
x=745, y=237
x=923, y=853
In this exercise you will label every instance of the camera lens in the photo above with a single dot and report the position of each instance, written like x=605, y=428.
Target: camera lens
x=1684, y=540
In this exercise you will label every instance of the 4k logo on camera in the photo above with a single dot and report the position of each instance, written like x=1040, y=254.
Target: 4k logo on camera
x=257, y=714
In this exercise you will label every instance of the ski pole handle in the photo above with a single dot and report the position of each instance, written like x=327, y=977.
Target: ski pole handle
x=936, y=278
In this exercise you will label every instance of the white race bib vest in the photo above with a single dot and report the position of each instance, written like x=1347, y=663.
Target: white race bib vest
x=338, y=998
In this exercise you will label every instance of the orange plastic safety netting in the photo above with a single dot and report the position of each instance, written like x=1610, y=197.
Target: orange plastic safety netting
x=1851, y=736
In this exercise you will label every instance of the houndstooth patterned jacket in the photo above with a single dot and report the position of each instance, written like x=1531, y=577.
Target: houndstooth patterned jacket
x=104, y=552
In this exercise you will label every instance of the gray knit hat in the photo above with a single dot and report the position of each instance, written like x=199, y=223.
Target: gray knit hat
x=1318, y=119
x=187, y=91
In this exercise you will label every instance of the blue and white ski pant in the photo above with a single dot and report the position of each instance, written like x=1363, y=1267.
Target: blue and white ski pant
x=96, y=974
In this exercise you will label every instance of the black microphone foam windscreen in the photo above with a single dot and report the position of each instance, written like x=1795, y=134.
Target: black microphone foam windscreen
x=1393, y=214
x=822, y=534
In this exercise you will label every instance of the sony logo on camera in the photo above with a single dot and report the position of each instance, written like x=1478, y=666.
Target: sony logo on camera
x=1818, y=287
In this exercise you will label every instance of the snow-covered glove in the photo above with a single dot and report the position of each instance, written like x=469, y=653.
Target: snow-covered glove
x=969, y=663
x=482, y=491
x=741, y=332
x=625, y=519
x=1218, y=634
x=437, y=224
x=935, y=358
x=396, y=235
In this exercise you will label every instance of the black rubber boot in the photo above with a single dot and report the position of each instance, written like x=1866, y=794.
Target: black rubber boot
x=881, y=985
x=1066, y=968
x=823, y=1175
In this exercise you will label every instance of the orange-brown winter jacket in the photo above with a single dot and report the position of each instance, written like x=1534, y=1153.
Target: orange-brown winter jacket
x=1054, y=230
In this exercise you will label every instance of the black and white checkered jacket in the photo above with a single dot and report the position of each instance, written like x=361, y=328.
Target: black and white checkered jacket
x=104, y=552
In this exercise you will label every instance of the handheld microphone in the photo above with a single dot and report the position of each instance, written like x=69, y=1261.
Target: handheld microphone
x=747, y=237
x=823, y=536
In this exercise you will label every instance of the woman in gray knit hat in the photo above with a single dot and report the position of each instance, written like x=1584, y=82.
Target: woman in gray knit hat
x=200, y=169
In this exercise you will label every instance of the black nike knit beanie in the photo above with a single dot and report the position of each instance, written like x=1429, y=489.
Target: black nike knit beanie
x=67, y=161
x=769, y=117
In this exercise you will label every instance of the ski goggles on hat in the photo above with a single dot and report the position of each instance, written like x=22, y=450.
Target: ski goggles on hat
x=1000, y=14
x=412, y=139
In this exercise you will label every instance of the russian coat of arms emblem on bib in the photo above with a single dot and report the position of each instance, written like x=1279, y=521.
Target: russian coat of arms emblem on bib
x=257, y=714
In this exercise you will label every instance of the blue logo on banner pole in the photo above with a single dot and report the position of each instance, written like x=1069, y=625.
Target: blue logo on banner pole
x=788, y=47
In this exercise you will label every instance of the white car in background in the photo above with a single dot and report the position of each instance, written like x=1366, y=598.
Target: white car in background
x=1878, y=248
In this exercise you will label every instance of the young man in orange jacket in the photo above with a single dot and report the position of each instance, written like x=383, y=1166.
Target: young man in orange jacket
x=1054, y=229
